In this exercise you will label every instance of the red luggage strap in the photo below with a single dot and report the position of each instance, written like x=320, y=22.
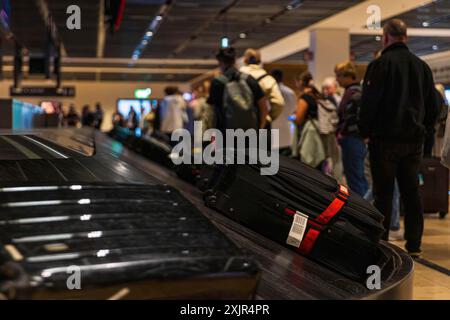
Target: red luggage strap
x=316, y=225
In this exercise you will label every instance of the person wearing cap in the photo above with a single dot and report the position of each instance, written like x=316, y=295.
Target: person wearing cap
x=252, y=66
x=226, y=58
x=398, y=107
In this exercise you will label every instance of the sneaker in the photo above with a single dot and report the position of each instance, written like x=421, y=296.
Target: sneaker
x=396, y=235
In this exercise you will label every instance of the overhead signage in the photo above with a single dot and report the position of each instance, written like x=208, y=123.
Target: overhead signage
x=42, y=92
x=142, y=93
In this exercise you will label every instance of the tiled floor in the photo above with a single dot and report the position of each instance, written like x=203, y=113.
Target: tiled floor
x=428, y=283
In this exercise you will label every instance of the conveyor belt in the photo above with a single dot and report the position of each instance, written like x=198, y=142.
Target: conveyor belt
x=285, y=274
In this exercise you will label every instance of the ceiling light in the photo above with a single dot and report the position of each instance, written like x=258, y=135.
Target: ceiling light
x=425, y=24
x=435, y=47
x=224, y=42
x=294, y=4
x=151, y=30
x=243, y=35
x=378, y=38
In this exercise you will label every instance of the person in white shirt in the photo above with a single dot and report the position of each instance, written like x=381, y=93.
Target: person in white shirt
x=252, y=61
x=172, y=112
x=282, y=123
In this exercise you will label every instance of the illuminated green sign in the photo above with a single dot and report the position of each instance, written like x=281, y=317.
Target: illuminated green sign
x=142, y=93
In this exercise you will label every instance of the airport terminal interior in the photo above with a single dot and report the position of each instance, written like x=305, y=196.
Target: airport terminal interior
x=224, y=149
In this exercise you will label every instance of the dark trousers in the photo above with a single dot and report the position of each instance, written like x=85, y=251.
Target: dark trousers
x=389, y=161
x=428, y=144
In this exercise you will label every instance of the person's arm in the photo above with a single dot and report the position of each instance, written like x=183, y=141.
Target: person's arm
x=215, y=93
x=300, y=111
x=373, y=91
x=263, y=106
x=432, y=103
x=215, y=100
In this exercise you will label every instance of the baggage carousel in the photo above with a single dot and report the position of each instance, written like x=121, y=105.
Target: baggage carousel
x=284, y=273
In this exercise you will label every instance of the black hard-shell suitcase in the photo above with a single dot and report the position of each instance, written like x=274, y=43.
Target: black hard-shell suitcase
x=126, y=241
x=434, y=183
x=201, y=175
x=156, y=150
x=305, y=210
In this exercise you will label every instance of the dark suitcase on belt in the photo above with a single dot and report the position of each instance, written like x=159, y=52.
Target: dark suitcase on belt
x=305, y=210
x=156, y=150
x=433, y=180
x=127, y=241
x=120, y=134
x=199, y=175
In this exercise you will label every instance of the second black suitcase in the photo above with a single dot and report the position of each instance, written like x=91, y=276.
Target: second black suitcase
x=156, y=150
x=434, y=180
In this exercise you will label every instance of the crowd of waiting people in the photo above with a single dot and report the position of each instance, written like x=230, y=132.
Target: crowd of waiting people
x=88, y=117
x=371, y=132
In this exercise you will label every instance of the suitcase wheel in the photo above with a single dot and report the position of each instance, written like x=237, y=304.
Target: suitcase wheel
x=209, y=199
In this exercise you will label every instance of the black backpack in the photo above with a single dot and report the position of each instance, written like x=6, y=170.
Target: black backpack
x=238, y=103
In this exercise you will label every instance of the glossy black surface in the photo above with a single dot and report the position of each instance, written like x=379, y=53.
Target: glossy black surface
x=57, y=214
x=285, y=274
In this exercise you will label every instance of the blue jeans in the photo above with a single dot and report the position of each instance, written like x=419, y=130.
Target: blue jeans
x=354, y=152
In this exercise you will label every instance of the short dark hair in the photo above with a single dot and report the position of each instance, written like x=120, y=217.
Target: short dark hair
x=277, y=74
x=226, y=55
x=170, y=90
x=305, y=78
x=396, y=28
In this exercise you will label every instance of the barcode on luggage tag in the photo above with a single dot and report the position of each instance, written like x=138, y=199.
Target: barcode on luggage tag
x=298, y=228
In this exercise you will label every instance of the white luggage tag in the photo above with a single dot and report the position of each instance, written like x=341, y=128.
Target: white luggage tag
x=298, y=228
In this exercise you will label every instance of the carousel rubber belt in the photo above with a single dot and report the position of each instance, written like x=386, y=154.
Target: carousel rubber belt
x=27, y=152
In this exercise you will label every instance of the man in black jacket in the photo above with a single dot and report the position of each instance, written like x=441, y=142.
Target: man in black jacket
x=398, y=107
